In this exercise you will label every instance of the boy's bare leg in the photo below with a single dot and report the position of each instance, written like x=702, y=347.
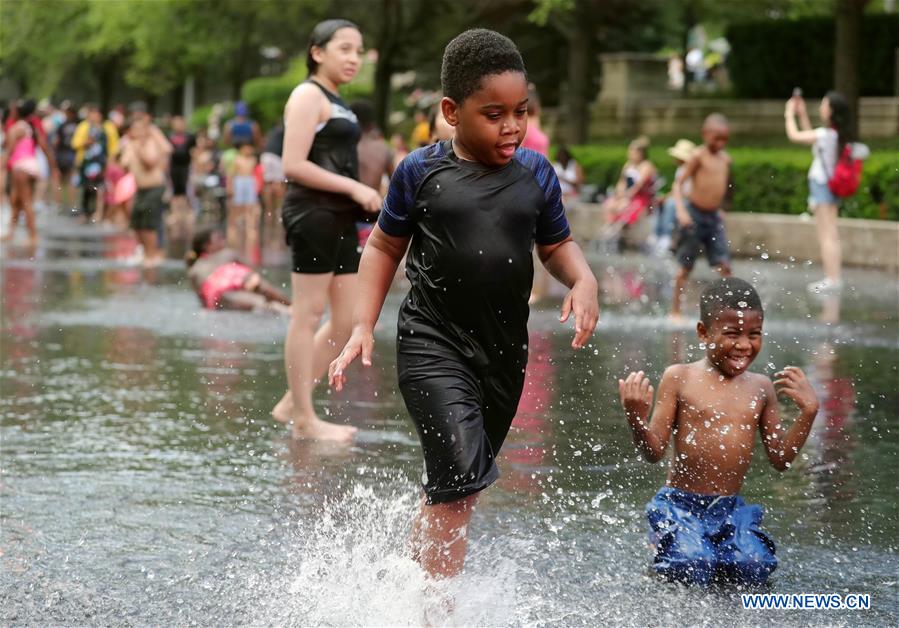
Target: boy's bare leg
x=309, y=349
x=152, y=254
x=232, y=233
x=680, y=283
x=440, y=537
x=255, y=283
x=252, y=250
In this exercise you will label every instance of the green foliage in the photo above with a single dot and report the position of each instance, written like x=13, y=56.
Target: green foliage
x=771, y=57
x=267, y=96
x=766, y=180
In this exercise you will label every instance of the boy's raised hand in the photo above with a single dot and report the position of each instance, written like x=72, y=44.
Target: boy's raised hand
x=791, y=382
x=361, y=342
x=582, y=300
x=636, y=396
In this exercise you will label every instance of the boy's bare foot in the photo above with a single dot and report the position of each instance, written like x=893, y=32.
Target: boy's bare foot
x=316, y=429
x=675, y=317
x=283, y=410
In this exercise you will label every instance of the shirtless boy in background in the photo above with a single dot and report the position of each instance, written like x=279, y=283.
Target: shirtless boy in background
x=699, y=215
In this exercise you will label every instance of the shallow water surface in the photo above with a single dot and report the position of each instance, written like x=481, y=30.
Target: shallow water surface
x=145, y=483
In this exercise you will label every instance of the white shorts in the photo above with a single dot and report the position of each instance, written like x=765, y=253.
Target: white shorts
x=272, y=168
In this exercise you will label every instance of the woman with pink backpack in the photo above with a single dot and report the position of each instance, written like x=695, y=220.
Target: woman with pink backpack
x=834, y=174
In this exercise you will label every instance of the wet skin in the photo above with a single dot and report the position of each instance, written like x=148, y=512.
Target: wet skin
x=713, y=408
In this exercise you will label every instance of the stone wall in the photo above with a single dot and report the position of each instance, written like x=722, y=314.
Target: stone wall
x=865, y=243
x=879, y=117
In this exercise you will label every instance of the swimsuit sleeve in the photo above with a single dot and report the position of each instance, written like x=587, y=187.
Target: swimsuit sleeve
x=395, y=219
x=552, y=225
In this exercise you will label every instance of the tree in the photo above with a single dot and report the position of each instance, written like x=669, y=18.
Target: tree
x=848, y=18
x=590, y=27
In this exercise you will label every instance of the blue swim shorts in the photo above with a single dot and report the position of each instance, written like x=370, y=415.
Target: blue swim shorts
x=704, y=538
x=705, y=234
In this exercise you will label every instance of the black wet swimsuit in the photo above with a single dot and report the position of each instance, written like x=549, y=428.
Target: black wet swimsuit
x=320, y=226
x=462, y=329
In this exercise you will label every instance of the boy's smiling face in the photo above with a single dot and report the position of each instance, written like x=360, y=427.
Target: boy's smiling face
x=490, y=124
x=733, y=340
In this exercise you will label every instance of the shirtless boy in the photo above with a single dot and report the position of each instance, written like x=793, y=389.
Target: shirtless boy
x=146, y=157
x=699, y=214
x=700, y=526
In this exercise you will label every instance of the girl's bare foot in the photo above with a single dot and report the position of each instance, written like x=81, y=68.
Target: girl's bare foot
x=283, y=410
x=316, y=429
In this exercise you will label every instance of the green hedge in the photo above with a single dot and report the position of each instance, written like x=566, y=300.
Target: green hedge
x=266, y=96
x=766, y=180
x=769, y=58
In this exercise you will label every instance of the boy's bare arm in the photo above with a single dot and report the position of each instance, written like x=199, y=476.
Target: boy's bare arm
x=683, y=216
x=783, y=446
x=565, y=261
x=380, y=259
x=650, y=436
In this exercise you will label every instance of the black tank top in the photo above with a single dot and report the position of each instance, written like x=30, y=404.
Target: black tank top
x=334, y=149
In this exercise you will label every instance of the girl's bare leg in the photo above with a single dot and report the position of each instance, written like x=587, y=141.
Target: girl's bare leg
x=303, y=353
x=829, y=239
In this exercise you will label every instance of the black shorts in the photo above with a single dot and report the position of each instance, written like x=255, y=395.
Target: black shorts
x=147, y=209
x=322, y=241
x=462, y=416
x=179, y=176
x=705, y=234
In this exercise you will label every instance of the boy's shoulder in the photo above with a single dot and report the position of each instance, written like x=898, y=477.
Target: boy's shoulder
x=420, y=160
x=532, y=160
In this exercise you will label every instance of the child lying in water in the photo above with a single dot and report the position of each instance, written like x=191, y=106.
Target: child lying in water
x=223, y=281
x=701, y=528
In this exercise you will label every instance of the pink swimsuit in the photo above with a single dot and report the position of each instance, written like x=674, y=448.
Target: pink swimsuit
x=225, y=278
x=24, y=155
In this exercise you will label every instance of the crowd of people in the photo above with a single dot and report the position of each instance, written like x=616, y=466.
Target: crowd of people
x=470, y=209
x=152, y=175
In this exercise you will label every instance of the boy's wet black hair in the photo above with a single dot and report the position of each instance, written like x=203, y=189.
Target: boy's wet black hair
x=321, y=35
x=365, y=114
x=728, y=293
x=471, y=56
x=198, y=245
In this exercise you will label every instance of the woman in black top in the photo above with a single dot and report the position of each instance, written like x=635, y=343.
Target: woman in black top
x=322, y=202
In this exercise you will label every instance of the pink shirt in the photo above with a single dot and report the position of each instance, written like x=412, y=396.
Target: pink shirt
x=536, y=140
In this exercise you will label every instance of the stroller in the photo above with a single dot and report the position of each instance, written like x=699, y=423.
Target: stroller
x=641, y=204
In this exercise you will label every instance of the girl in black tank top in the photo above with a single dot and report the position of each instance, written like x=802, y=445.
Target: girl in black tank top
x=334, y=149
x=323, y=199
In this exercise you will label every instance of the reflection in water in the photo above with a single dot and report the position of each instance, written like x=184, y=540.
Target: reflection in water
x=531, y=429
x=143, y=478
x=832, y=441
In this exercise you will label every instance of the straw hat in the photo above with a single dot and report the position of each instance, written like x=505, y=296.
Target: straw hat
x=682, y=150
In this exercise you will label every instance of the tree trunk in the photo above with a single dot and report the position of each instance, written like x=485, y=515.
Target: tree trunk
x=846, y=54
x=579, y=55
x=386, y=46
x=178, y=100
x=106, y=73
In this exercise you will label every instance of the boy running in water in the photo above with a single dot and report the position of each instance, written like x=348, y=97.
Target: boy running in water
x=701, y=528
x=472, y=209
x=699, y=212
